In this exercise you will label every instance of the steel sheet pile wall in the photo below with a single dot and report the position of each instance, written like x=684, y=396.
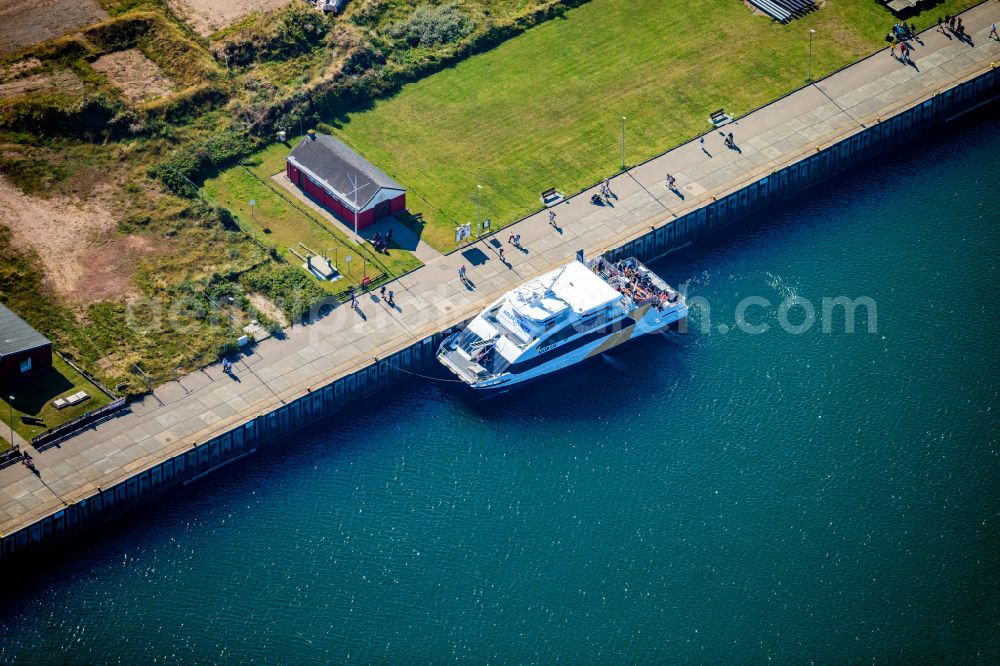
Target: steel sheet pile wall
x=793, y=179
x=219, y=451
x=326, y=400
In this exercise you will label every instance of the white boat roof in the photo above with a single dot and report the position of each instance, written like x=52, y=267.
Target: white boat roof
x=572, y=287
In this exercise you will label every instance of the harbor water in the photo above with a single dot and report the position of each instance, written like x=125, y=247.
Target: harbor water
x=730, y=495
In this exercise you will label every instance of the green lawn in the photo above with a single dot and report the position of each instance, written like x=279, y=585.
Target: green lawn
x=271, y=160
x=544, y=109
x=33, y=396
x=289, y=226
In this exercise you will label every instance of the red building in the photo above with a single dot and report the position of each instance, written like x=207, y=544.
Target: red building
x=22, y=348
x=342, y=181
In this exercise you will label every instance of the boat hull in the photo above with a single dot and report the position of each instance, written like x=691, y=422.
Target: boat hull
x=651, y=323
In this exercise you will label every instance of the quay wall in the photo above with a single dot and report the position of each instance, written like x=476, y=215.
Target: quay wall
x=204, y=458
x=669, y=235
x=791, y=180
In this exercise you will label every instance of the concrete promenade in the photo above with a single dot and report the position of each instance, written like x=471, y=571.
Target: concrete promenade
x=207, y=403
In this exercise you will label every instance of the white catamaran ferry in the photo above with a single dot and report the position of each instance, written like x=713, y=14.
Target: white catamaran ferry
x=580, y=310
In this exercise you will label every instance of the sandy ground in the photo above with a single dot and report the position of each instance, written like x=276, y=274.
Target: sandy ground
x=63, y=81
x=27, y=22
x=138, y=77
x=268, y=307
x=83, y=261
x=107, y=268
x=208, y=16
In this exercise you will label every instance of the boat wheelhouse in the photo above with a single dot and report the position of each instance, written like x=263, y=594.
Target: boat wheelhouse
x=577, y=311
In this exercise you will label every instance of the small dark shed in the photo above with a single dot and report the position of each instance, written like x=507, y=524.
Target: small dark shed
x=22, y=348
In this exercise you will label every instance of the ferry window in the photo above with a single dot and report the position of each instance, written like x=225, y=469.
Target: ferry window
x=562, y=334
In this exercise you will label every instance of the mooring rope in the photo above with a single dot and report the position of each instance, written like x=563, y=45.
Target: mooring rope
x=417, y=374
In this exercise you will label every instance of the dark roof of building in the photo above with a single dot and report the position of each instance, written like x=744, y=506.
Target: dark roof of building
x=342, y=169
x=16, y=335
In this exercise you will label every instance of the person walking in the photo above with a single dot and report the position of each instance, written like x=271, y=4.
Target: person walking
x=552, y=217
x=392, y=300
x=993, y=32
x=671, y=182
x=461, y=273
x=354, y=300
x=381, y=292
x=501, y=256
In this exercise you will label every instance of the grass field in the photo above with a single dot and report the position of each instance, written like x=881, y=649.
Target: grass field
x=544, y=109
x=288, y=226
x=34, y=396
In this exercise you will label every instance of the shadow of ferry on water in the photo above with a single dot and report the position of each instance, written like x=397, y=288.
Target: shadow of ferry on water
x=645, y=364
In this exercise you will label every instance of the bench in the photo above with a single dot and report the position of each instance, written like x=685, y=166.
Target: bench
x=774, y=9
x=32, y=420
x=77, y=398
x=719, y=117
x=551, y=197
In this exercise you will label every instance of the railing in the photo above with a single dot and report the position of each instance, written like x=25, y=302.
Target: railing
x=52, y=435
x=377, y=279
x=9, y=458
x=91, y=379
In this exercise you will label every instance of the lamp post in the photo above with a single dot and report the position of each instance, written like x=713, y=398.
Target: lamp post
x=811, y=33
x=623, y=143
x=479, y=191
x=229, y=311
x=10, y=403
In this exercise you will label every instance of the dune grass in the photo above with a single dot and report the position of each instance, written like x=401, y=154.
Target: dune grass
x=544, y=109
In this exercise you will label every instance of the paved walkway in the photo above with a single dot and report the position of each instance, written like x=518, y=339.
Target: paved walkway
x=207, y=402
x=16, y=439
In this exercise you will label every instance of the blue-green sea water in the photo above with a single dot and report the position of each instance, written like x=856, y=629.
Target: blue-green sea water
x=712, y=498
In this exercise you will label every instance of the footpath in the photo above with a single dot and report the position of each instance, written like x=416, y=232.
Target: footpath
x=205, y=403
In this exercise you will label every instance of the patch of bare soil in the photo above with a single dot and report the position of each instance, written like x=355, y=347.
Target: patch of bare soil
x=106, y=269
x=267, y=307
x=208, y=16
x=27, y=22
x=63, y=81
x=80, y=258
x=138, y=77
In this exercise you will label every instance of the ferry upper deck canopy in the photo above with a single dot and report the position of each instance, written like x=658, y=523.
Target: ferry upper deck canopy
x=574, y=286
